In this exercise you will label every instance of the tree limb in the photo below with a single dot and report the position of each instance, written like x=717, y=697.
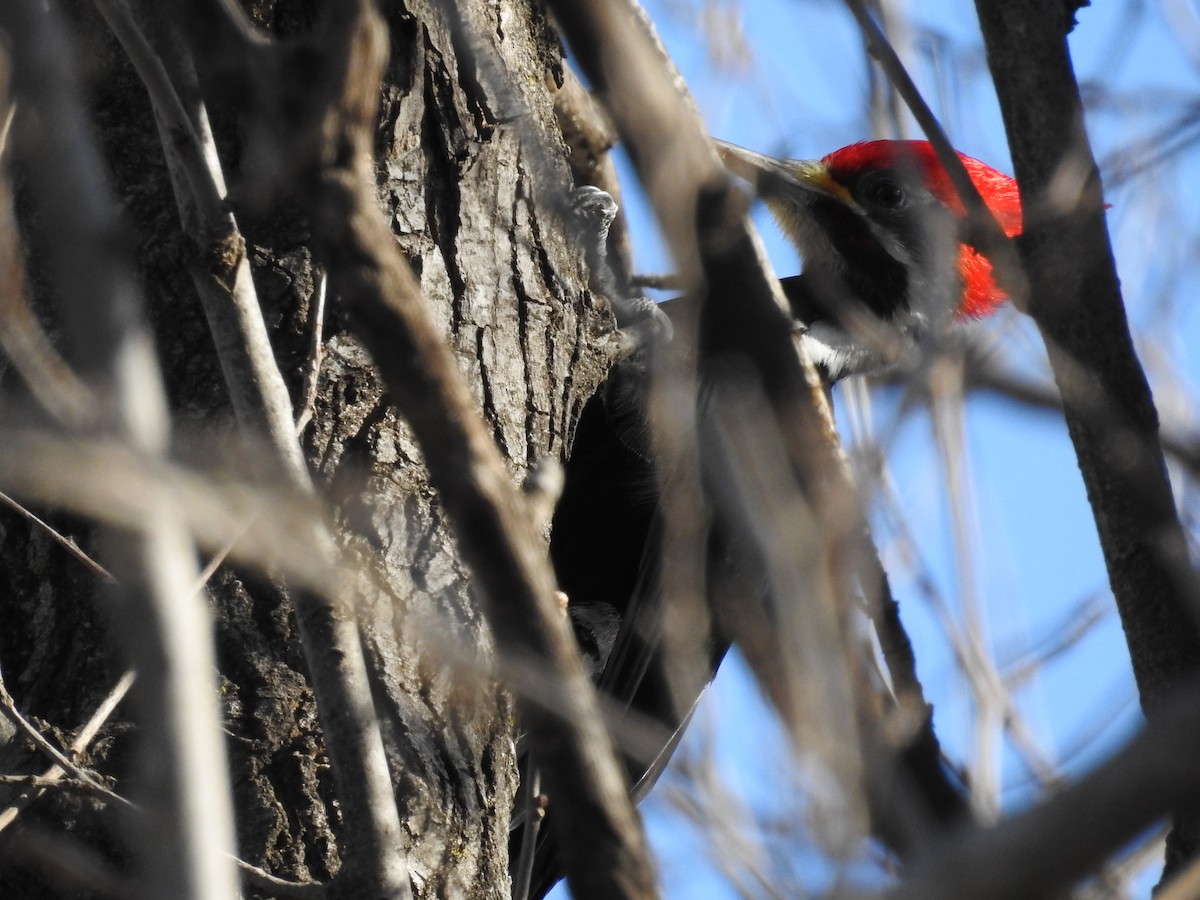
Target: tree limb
x=1075, y=300
x=1043, y=851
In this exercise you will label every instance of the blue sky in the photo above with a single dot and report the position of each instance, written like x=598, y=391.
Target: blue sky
x=799, y=90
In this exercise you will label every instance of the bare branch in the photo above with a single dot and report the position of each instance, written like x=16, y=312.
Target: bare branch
x=1043, y=851
x=658, y=282
x=274, y=886
x=984, y=372
x=312, y=372
x=62, y=763
x=220, y=268
x=1076, y=303
x=55, y=773
x=534, y=803
x=61, y=539
x=113, y=485
x=187, y=149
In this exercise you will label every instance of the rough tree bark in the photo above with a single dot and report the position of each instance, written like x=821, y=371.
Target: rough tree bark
x=471, y=202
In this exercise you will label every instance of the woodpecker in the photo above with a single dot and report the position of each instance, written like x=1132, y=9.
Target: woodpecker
x=878, y=227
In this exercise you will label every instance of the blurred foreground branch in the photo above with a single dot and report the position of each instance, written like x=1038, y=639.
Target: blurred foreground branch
x=746, y=338
x=1042, y=852
x=184, y=789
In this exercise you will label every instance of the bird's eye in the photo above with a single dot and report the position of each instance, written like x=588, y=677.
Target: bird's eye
x=886, y=194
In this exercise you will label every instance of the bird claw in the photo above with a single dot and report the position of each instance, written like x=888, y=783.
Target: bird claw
x=595, y=209
x=638, y=317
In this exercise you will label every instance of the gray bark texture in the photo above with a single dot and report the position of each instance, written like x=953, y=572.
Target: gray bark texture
x=471, y=165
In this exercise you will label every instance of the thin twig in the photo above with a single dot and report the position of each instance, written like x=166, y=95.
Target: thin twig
x=215, y=562
x=79, y=745
x=949, y=424
x=976, y=665
x=40, y=783
x=534, y=813
x=8, y=708
x=728, y=825
x=984, y=373
x=312, y=371
x=66, y=542
x=275, y=886
x=6, y=120
x=290, y=538
x=207, y=192
x=1059, y=639
x=113, y=485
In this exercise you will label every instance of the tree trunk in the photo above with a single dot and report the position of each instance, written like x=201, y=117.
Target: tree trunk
x=470, y=166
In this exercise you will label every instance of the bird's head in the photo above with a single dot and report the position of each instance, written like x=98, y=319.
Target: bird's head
x=879, y=227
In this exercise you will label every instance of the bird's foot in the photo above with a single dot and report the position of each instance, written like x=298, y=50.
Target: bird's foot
x=638, y=317
x=595, y=210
